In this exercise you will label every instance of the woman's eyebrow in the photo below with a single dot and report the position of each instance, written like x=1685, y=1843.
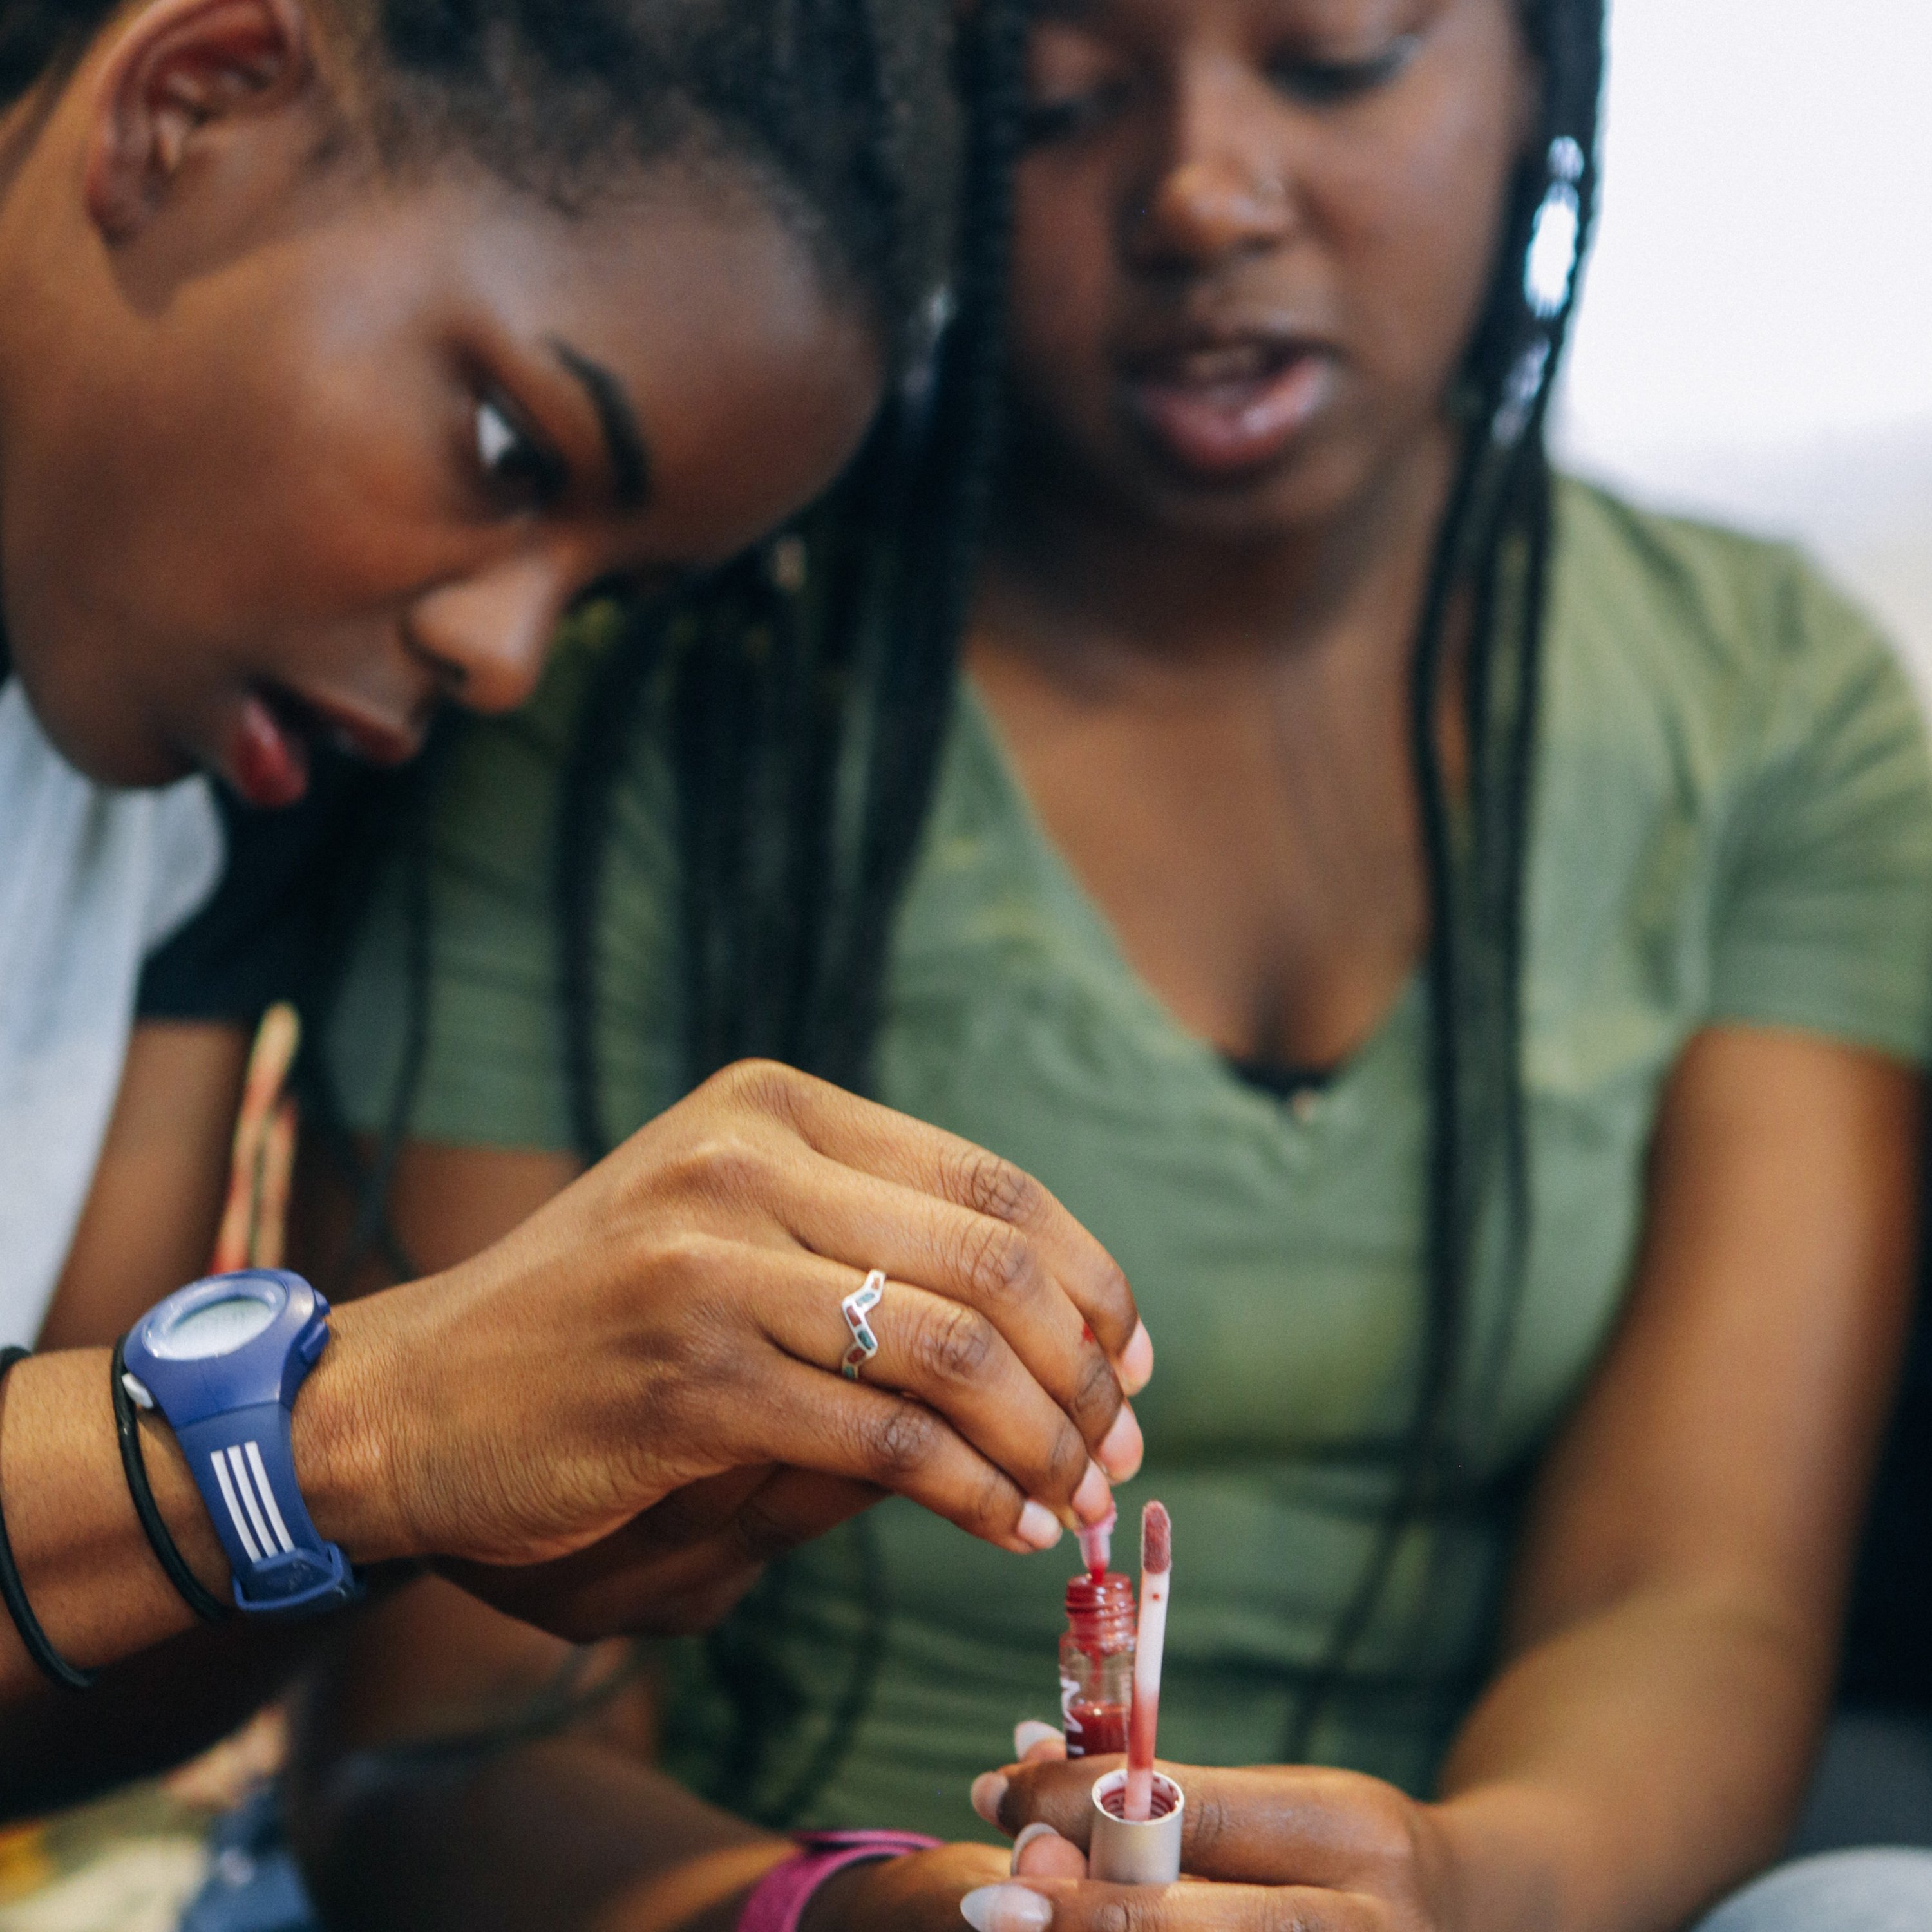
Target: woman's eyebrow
x=623, y=435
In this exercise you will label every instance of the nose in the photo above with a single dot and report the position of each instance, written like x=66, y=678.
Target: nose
x=1221, y=186
x=489, y=635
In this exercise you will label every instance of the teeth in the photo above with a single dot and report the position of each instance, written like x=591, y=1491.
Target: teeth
x=1237, y=362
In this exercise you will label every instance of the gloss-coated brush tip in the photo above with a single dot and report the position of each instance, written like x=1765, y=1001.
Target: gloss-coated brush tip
x=1156, y=1539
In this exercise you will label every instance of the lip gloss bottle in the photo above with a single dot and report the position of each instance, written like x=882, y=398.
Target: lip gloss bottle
x=1097, y=1664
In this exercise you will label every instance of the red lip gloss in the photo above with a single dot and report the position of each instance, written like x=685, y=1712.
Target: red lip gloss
x=1097, y=1664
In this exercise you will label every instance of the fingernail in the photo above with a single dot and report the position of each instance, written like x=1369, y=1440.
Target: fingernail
x=1006, y=1908
x=1121, y=1448
x=1029, y=1732
x=1094, y=1498
x=988, y=1788
x=1137, y=1360
x=1031, y=1835
x=1037, y=1529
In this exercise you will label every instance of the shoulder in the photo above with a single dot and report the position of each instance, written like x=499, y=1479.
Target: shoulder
x=1735, y=648
x=1695, y=596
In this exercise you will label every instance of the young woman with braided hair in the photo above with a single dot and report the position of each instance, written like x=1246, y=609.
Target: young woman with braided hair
x=343, y=345
x=1461, y=940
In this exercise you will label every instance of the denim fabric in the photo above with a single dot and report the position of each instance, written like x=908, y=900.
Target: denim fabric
x=252, y=1885
x=1847, y=1891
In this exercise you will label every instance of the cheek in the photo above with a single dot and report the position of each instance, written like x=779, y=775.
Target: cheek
x=228, y=496
x=1415, y=220
x=1064, y=284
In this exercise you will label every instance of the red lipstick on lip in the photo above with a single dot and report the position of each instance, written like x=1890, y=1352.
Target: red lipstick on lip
x=267, y=762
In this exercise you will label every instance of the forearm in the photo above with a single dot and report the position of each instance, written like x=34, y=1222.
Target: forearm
x=104, y=1600
x=565, y=1834
x=1622, y=1773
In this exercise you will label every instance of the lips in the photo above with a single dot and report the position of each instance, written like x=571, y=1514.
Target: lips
x=267, y=754
x=1221, y=406
x=268, y=749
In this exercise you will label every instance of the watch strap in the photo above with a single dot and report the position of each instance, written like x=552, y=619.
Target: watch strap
x=243, y=1462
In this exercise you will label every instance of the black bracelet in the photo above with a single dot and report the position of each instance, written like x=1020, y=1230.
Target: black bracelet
x=198, y=1597
x=14, y=1593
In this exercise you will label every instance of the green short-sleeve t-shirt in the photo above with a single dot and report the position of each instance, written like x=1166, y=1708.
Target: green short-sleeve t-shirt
x=1732, y=823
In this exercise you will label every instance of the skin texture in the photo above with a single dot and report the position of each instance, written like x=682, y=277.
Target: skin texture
x=286, y=439
x=301, y=348
x=1199, y=668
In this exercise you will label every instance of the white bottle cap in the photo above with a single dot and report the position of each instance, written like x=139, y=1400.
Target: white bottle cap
x=1119, y=1853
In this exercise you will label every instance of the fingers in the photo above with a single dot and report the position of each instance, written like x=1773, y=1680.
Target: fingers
x=1271, y=1826
x=812, y=1420
x=982, y=1262
x=860, y=1134
x=1040, y=1852
x=1051, y=1905
x=950, y=1357
x=1033, y=1742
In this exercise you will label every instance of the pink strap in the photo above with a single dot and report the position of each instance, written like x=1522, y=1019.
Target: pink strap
x=778, y=1902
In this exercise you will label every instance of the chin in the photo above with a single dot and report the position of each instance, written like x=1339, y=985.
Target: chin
x=1289, y=498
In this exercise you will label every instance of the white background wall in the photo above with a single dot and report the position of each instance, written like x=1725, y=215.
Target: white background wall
x=1755, y=338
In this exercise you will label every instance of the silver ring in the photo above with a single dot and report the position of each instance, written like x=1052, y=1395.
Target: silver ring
x=855, y=1308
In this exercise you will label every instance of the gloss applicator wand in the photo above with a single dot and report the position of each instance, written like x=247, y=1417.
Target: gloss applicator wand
x=1156, y=1568
x=1135, y=1836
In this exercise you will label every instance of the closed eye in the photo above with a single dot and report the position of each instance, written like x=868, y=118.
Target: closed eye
x=1042, y=123
x=1326, y=83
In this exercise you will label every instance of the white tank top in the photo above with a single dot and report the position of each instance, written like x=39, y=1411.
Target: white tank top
x=91, y=881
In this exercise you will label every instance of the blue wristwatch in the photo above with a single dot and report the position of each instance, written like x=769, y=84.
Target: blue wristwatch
x=222, y=1360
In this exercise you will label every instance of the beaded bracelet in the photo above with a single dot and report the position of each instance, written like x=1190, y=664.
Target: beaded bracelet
x=198, y=1597
x=13, y=1592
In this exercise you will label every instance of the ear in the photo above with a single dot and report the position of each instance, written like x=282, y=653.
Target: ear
x=175, y=70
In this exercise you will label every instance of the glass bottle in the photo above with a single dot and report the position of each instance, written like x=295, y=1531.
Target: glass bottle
x=1097, y=1664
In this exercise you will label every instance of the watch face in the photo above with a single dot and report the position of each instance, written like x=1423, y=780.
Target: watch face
x=218, y=1327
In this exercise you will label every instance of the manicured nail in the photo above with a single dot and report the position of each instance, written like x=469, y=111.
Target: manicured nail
x=1037, y=1529
x=1136, y=1363
x=1031, y=1835
x=1006, y=1908
x=1094, y=1498
x=988, y=1788
x=1029, y=1732
x=1121, y=1448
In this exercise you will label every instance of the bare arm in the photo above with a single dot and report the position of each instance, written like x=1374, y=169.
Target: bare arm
x=582, y=1395
x=1676, y=1614
x=148, y=1226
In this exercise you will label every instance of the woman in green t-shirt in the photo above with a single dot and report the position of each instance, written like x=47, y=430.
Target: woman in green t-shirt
x=1463, y=944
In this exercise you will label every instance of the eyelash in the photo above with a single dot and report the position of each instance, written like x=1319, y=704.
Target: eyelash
x=1315, y=83
x=512, y=460
x=1043, y=123
x=1329, y=83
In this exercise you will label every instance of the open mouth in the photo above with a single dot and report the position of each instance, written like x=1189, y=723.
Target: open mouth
x=271, y=744
x=1222, y=409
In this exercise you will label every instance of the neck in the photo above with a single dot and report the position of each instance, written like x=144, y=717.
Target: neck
x=1103, y=581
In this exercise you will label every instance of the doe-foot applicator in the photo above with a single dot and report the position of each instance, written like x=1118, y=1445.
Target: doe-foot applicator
x=1136, y=1835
